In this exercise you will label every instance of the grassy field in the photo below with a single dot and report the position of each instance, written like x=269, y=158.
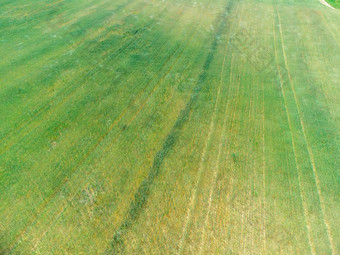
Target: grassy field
x=169, y=127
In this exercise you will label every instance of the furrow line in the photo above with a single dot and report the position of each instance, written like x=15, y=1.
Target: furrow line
x=217, y=162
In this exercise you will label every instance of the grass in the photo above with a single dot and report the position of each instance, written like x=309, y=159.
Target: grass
x=169, y=127
x=334, y=3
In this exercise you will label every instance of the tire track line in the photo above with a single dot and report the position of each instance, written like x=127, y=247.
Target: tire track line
x=304, y=205
x=192, y=204
x=217, y=162
x=256, y=208
x=234, y=100
x=264, y=170
x=248, y=226
x=252, y=166
x=244, y=172
x=231, y=139
x=311, y=157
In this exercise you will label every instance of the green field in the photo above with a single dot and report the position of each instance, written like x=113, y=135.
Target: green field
x=169, y=127
x=334, y=3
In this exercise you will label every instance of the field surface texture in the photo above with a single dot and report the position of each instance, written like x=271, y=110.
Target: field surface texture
x=169, y=127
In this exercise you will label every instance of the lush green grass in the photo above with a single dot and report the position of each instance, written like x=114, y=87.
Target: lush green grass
x=334, y=3
x=169, y=127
